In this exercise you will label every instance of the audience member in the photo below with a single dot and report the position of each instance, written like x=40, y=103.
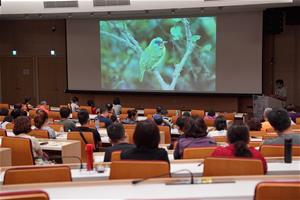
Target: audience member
x=74, y=104
x=180, y=124
x=83, y=118
x=92, y=104
x=26, y=104
x=43, y=106
x=211, y=115
x=131, y=117
x=7, y=118
x=220, y=127
x=69, y=125
x=280, y=121
x=266, y=125
x=195, y=135
x=110, y=108
x=21, y=129
x=238, y=139
x=4, y=112
x=292, y=114
x=41, y=122
x=117, y=137
x=103, y=116
x=117, y=106
x=146, y=139
x=280, y=90
x=186, y=114
x=254, y=124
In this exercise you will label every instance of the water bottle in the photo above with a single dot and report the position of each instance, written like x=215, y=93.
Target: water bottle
x=288, y=150
x=89, y=148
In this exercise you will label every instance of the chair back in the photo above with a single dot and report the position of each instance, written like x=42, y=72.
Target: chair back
x=4, y=105
x=167, y=131
x=298, y=120
x=228, y=116
x=32, y=113
x=172, y=113
x=174, y=119
x=87, y=108
x=88, y=137
x=220, y=138
x=214, y=166
x=277, y=150
x=277, y=190
x=74, y=115
x=259, y=134
x=125, y=110
x=138, y=169
x=295, y=126
x=54, y=115
x=115, y=156
x=209, y=122
x=3, y=133
x=24, y=195
x=255, y=144
x=9, y=126
x=149, y=111
x=39, y=133
x=123, y=116
x=197, y=152
x=2, y=118
x=21, y=150
x=269, y=136
x=200, y=113
x=129, y=126
x=57, y=127
x=25, y=175
x=129, y=133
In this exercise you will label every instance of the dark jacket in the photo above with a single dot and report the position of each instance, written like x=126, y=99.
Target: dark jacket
x=117, y=147
x=145, y=154
x=96, y=135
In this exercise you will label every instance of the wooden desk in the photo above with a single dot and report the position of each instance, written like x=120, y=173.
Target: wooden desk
x=236, y=188
x=5, y=157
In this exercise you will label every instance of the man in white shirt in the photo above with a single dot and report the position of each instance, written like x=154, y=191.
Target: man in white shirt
x=280, y=90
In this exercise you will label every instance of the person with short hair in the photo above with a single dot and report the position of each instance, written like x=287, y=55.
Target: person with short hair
x=4, y=112
x=74, y=104
x=117, y=137
x=103, y=116
x=220, y=127
x=195, y=135
x=180, y=123
x=43, y=106
x=117, y=106
x=92, y=104
x=238, y=138
x=21, y=129
x=254, y=124
x=211, y=115
x=266, y=125
x=26, y=104
x=131, y=117
x=83, y=118
x=186, y=114
x=146, y=139
x=69, y=125
x=280, y=121
x=41, y=122
x=280, y=90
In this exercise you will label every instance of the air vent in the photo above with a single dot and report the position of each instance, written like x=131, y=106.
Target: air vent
x=111, y=2
x=60, y=4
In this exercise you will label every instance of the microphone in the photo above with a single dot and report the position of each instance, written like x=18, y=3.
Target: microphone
x=62, y=157
x=135, y=182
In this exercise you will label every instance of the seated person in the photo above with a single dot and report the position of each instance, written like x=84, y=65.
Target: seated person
x=211, y=115
x=103, y=116
x=186, y=114
x=69, y=125
x=26, y=104
x=7, y=118
x=280, y=121
x=4, y=112
x=220, y=127
x=21, y=128
x=117, y=137
x=238, y=138
x=15, y=113
x=146, y=139
x=195, y=135
x=180, y=124
x=292, y=114
x=280, y=90
x=110, y=108
x=92, y=104
x=131, y=117
x=74, y=104
x=117, y=106
x=266, y=125
x=43, y=106
x=254, y=124
x=41, y=122
x=83, y=118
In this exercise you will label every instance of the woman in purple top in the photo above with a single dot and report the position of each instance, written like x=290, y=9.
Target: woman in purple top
x=195, y=135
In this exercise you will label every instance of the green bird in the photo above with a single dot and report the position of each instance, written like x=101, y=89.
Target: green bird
x=153, y=56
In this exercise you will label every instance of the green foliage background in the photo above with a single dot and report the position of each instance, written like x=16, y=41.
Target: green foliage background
x=120, y=63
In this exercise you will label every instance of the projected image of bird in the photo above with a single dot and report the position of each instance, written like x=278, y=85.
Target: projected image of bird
x=153, y=56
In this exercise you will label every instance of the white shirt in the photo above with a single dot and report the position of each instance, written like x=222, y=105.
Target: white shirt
x=281, y=92
x=217, y=133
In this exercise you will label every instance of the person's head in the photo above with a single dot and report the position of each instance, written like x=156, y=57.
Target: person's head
x=266, y=113
x=18, y=106
x=164, y=112
x=27, y=100
x=109, y=107
x=64, y=112
x=146, y=135
x=290, y=108
x=238, y=135
x=186, y=114
x=116, y=132
x=195, y=127
x=15, y=113
x=74, y=100
x=180, y=122
x=211, y=113
x=279, y=120
x=254, y=124
x=158, y=109
x=104, y=111
x=117, y=101
x=40, y=118
x=43, y=103
x=83, y=117
x=4, y=112
x=158, y=119
x=131, y=114
x=8, y=118
x=220, y=123
x=279, y=83
x=91, y=103
x=22, y=125
x=114, y=118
